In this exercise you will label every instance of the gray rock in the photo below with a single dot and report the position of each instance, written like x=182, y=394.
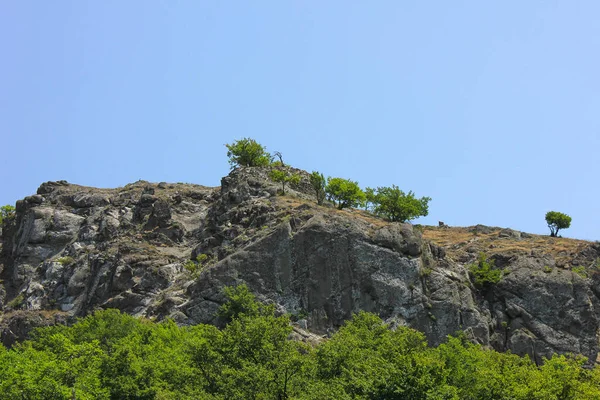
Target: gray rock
x=509, y=233
x=128, y=246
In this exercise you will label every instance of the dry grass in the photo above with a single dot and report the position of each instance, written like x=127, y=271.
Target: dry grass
x=457, y=240
x=288, y=203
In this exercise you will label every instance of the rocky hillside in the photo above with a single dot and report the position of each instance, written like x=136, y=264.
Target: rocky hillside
x=167, y=250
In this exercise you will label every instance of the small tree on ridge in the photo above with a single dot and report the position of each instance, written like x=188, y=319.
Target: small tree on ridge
x=557, y=221
x=347, y=193
x=397, y=206
x=284, y=176
x=247, y=152
x=318, y=182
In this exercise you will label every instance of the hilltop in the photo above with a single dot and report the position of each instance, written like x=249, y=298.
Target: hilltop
x=167, y=251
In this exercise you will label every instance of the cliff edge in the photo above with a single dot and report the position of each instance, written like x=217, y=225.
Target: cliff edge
x=167, y=250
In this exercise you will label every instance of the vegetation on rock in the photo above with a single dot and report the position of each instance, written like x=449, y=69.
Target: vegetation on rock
x=483, y=271
x=110, y=355
x=557, y=221
x=284, y=176
x=395, y=205
x=345, y=192
x=7, y=213
x=247, y=152
x=318, y=183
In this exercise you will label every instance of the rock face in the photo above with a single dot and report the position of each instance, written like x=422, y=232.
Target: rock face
x=72, y=249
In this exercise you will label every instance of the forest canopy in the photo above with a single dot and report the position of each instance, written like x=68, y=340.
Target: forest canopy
x=111, y=355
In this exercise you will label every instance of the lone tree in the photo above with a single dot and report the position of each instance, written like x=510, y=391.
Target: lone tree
x=557, y=221
x=318, y=182
x=347, y=193
x=284, y=176
x=247, y=152
x=397, y=206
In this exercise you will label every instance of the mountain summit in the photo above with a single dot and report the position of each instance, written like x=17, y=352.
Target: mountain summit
x=168, y=250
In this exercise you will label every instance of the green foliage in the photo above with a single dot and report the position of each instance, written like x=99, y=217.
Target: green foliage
x=395, y=205
x=369, y=198
x=16, y=302
x=557, y=221
x=345, y=192
x=240, y=300
x=483, y=271
x=247, y=152
x=192, y=267
x=367, y=360
x=581, y=271
x=283, y=175
x=195, y=267
x=318, y=183
x=67, y=260
x=7, y=213
x=110, y=355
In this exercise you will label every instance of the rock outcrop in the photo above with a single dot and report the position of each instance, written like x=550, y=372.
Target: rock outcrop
x=167, y=250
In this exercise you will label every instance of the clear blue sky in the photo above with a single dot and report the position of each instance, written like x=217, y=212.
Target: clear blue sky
x=490, y=108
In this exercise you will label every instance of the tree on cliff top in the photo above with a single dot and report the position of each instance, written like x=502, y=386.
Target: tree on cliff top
x=397, y=206
x=557, y=221
x=347, y=193
x=247, y=152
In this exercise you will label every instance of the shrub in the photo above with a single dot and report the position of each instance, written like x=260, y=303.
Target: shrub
x=240, y=300
x=284, y=176
x=7, y=213
x=483, y=271
x=192, y=267
x=557, y=221
x=67, y=260
x=580, y=271
x=397, y=206
x=247, y=152
x=197, y=266
x=318, y=183
x=16, y=302
x=347, y=193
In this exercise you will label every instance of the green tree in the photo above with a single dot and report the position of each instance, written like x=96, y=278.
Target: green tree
x=7, y=212
x=318, y=183
x=247, y=152
x=366, y=359
x=284, y=176
x=395, y=205
x=370, y=198
x=347, y=193
x=240, y=300
x=557, y=221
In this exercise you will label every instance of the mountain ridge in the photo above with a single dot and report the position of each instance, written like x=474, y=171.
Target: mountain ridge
x=163, y=250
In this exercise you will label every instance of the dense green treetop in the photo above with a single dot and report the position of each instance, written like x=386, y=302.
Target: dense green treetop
x=247, y=152
x=557, y=221
x=110, y=355
x=344, y=192
x=395, y=205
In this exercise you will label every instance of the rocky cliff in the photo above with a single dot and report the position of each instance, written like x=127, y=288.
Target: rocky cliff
x=167, y=250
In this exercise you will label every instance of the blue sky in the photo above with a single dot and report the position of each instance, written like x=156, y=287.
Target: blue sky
x=490, y=108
